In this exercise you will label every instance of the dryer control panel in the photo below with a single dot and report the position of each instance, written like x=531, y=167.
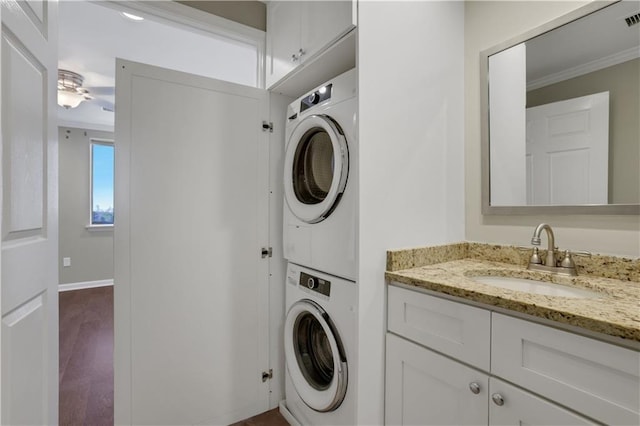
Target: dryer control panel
x=314, y=98
x=316, y=284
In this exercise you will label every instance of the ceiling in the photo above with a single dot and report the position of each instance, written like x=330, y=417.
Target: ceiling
x=91, y=36
x=603, y=34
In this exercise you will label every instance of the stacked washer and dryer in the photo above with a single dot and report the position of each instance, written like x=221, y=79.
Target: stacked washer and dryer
x=320, y=236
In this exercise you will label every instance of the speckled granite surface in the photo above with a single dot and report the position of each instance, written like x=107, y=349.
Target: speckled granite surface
x=615, y=310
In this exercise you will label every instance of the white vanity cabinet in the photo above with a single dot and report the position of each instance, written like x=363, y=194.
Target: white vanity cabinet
x=437, y=369
x=297, y=30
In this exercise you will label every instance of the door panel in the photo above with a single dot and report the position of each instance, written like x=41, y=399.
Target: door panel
x=191, y=293
x=29, y=237
x=26, y=140
x=568, y=151
x=37, y=12
x=24, y=341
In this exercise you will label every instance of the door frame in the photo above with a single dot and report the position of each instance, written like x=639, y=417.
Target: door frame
x=182, y=16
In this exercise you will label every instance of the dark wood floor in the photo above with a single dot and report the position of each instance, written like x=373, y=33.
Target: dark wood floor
x=86, y=361
x=269, y=418
x=86, y=357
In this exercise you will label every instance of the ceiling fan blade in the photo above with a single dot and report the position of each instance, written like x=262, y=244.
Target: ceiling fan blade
x=101, y=90
x=106, y=105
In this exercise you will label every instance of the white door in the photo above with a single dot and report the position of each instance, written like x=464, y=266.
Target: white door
x=425, y=388
x=568, y=151
x=191, y=286
x=29, y=213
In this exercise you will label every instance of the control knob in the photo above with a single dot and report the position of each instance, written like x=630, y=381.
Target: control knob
x=312, y=283
x=313, y=98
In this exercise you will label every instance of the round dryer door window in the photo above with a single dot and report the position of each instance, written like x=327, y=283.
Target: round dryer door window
x=316, y=166
x=315, y=357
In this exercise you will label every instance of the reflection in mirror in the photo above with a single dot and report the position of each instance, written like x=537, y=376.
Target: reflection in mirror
x=563, y=127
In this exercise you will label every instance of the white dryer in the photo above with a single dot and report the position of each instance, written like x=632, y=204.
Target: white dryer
x=320, y=178
x=319, y=344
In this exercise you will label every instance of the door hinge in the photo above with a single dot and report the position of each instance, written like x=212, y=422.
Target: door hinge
x=266, y=252
x=267, y=126
x=267, y=375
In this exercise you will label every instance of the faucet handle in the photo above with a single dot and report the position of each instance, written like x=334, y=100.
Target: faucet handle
x=535, y=257
x=567, y=260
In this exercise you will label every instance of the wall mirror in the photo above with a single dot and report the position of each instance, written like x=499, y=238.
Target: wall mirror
x=560, y=116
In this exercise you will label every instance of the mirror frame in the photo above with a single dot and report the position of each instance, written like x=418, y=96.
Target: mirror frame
x=487, y=208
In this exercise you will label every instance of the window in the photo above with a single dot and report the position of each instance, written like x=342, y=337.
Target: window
x=102, y=160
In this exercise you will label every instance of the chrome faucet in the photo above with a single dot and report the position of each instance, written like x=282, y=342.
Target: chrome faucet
x=550, y=260
x=551, y=263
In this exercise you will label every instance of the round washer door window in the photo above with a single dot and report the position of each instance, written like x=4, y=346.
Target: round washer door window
x=315, y=357
x=316, y=166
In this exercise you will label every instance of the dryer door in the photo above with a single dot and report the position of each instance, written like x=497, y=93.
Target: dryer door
x=315, y=357
x=316, y=165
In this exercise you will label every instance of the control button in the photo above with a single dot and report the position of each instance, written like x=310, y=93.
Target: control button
x=311, y=283
x=313, y=98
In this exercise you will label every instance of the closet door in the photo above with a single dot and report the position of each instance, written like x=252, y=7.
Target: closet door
x=191, y=286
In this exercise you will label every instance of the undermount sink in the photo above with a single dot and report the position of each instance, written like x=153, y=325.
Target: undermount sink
x=536, y=287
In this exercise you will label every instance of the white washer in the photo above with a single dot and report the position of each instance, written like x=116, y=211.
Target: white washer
x=319, y=339
x=320, y=173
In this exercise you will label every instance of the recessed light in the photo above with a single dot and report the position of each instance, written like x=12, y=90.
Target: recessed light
x=132, y=16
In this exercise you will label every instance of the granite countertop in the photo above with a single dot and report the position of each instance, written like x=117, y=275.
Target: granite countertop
x=448, y=269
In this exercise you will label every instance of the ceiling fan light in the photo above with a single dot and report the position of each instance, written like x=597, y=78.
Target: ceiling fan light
x=70, y=90
x=69, y=99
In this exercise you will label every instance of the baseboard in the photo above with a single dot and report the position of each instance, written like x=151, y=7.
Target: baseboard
x=83, y=285
x=287, y=414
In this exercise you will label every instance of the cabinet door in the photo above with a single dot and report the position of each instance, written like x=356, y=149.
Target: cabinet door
x=522, y=408
x=592, y=377
x=423, y=387
x=324, y=22
x=283, y=39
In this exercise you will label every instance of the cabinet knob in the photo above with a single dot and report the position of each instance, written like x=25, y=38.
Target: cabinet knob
x=497, y=399
x=301, y=52
x=474, y=387
x=294, y=57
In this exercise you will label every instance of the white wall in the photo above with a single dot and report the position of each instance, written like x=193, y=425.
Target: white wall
x=410, y=61
x=487, y=24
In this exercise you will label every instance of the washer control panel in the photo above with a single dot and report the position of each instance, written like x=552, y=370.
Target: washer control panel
x=314, y=283
x=314, y=98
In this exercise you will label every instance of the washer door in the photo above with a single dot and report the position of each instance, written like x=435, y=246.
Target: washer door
x=316, y=165
x=315, y=357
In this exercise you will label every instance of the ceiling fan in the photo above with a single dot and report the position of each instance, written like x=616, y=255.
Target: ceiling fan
x=71, y=93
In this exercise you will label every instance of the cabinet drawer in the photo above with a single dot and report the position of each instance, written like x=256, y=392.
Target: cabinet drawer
x=460, y=331
x=595, y=378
